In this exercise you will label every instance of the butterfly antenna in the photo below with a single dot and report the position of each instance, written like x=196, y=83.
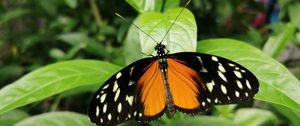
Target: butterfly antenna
x=175, y=21
x=136, y=27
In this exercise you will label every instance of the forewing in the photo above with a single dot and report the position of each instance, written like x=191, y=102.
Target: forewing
x=221, y=81
x=116, y=99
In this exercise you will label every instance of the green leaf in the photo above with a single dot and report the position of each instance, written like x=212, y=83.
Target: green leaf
x=81, y=40
x=254, y=117
x=71, y=3
x=203, y=121
x=294, y=15
x=181, y=38
x=276, y=44
x=225, y=110
x=54, y=79
x=132, y=46
x=57, y=119
x=277, y=84
x=10, y=118
x=12, y=14
x=142, y=6
x=290, y=114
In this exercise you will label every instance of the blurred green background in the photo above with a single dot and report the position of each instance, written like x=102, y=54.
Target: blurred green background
x=35, y=33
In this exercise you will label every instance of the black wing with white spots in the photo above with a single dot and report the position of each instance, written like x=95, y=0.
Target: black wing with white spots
x=226, y=81
x=115, y=102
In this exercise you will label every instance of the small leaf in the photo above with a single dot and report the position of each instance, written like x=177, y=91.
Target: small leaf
x=225, y=110
x=277, y=84
x=276, y=44
x=57, y=119
x=142, y=5
x=294, y=15
x=71, y=3
x=181, y=38
x=54, y=79
x=254, y=117
x=12, y=14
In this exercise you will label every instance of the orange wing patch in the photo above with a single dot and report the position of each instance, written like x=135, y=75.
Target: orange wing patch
x=183, y=83
x=152, y=90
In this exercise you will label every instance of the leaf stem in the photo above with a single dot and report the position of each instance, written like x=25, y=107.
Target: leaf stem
x=56, y=102
x=96, y=12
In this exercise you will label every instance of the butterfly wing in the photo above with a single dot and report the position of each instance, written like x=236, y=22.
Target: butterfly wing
x=205, y=80
x=134, y=92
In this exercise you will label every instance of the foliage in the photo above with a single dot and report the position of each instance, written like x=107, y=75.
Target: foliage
x=45, y=46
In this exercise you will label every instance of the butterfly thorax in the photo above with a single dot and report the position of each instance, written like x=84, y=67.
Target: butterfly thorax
x=161, y=56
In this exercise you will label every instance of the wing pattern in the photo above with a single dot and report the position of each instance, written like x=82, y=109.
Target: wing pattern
x=220, y=81
x=197, y=81
x=116, y=100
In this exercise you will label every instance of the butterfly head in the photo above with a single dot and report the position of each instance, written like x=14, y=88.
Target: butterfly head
x=160, y=49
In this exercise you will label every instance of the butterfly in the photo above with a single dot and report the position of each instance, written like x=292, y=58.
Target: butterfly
x=187, y=82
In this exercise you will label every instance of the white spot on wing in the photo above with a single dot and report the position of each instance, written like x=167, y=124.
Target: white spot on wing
x=203, y=103
x=238, y=74
x=216, y=100
x=248, y=84
x=214, y=58
x=221, y=68
x=140, y=114
x=200, y=60
x=223, y=88
x=129, y=99
x=131, y=70
x=237, y=94
x=246, y=94
x=230, y=64
x=117, y=95
x=239, y=84
x=130, y=83
x=115, y=86
x=102, y=99
x=222, y=76
x=101, y=120
x=210, y=86
x=97, y=111
x=104, y=108
x=106, y=86
x=119, y=107
x=98, y=96
x=208, y=100
x=118, y=75
x=109, y=116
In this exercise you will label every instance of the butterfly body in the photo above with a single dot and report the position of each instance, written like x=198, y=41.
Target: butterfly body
x=187, y=82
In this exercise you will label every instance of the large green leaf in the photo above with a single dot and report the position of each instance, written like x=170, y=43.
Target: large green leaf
x=277, y=84
x=54, y=79
x=182, y=36
x=57, y=119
